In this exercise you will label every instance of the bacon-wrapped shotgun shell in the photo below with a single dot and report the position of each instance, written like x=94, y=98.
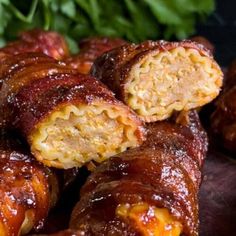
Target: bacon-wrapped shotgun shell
x=157, y=78
x=223, y=120
x=20, y=70
x=230, y=78
x=90, y=49
x=49, y=43
x=27, y=190
x=150, y=190
x=204, y=41
x=68, y=119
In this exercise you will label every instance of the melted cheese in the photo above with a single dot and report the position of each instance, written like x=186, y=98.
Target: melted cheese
x=150, y=220
x=75, y=135
x=175, y=80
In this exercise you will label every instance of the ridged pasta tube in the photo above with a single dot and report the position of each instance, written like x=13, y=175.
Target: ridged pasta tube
x=68, y=119
x=157, y=78
x=149, y=190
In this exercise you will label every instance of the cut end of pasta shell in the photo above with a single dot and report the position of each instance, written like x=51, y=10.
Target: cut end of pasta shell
x=171, y=80
x=74, y=135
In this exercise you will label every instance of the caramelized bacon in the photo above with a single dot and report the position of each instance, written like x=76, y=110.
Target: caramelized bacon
x=205, y=42
x=27, y=189
x=90, y=49
x=49, y=43
x=68, y=119
x=157, y=78
x=19, y=71
x=161, y=178
x=223, y=119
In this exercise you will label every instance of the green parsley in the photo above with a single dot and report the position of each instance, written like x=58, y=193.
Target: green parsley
x=134, y=20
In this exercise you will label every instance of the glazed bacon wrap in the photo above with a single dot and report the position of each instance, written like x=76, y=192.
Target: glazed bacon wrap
x=157, y=78
x=68, y=119
x=18, y=71
x=47, y=42
x=90, y=49
x=27, y=189
x=149, y=190
x=223, y=119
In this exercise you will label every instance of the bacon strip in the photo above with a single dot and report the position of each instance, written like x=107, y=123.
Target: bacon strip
x=150, y=190
x=157, y=78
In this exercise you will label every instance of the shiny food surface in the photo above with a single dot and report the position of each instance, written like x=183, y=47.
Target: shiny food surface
x=90, y=49
x=26, y=189
x=39, y=93
x=156, y=78
x=49, y=43
x=153, y=173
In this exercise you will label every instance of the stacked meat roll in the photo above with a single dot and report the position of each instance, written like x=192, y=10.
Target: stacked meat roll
x=223, y=120
x=27, y=189
x=150, y=190
x=90, y=49
x=204, y=41
x=49, y=43
x=68, y=119
x=157, y=78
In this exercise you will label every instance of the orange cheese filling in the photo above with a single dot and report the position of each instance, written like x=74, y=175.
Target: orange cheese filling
x=150, y=220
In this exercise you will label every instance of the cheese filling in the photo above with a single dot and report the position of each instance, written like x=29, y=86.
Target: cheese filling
x=150, y=220
x=76, y=135
x=179, y=79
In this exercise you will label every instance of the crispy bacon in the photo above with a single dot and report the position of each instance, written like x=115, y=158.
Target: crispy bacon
x=27, y=189
x=157, y=78
x=150, y=190
x=68, y=119
x=90, y=49
x=49, y=43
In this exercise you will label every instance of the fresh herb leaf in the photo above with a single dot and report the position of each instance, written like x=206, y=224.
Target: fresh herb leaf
x=134, y=20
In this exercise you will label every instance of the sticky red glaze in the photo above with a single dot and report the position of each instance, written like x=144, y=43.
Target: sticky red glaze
x=68, y=232
x=223, y=120
x=164, y=172
x=24, y=185
x=49, y=43
x=187, y=143
x=90, y=49
x=205, y=42
x=41, y=97
x=230, y=78
x=113, y=67
x=20, y=70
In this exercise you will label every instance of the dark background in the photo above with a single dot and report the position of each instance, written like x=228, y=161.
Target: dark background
x=220, y=29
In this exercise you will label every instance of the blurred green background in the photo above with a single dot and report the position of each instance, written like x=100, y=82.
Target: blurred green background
x=135, y=20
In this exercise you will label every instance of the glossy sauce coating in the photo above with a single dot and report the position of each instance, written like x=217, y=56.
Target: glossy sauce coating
x=90, y=49
x=34, y=86
x=223, y=120
x=20, y=70
x=155, y=173
x=49, y=43
x=27, y=189
x=41, y=97
x=113, y=67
